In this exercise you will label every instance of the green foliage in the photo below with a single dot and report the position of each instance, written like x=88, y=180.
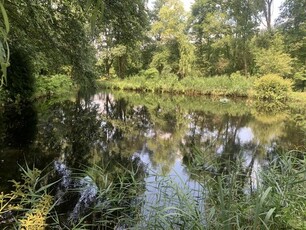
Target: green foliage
x=53, y=35
x=273, y=62
x=287, y=179
x=277, y=201
x=223, y=30
x=272, y=88
x=175, y=52
x=187, y=57
x=291, y=21
x=32, y=206
x=120, y=31
x=300, y=79
x=29, y=202
x=54, y=86
x=151, y=73
x=270, y=55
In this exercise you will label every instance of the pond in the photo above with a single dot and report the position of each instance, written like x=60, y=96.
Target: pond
x=165, y=142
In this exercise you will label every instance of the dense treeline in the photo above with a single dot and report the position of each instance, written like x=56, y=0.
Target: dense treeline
x=86, y=39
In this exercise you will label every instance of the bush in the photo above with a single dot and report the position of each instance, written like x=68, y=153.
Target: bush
x=151, y=73
x=272, y=88
x=56, y=85
x=300, y=79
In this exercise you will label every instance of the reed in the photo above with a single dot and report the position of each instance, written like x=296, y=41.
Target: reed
x=238, y=86
x=222, y=198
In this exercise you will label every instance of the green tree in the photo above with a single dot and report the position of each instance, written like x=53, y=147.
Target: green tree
x=174, y=52
x=292, y=22
x=124, y=23
x=223, y=31
x=52, y=34
x=211, y=32
x=270, y=56
x=265, y=15
x=244, y=25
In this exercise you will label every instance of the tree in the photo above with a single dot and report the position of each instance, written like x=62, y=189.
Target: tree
x=108, y=56
x=265, y=6
x=242, y=13
x=123, y=24
x=52, y=35
x=270, y=56
x=292, y=22
x=223, y=31
x=168, y=30
x=211, y=32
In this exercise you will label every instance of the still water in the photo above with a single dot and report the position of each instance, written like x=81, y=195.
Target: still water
x=156, y=137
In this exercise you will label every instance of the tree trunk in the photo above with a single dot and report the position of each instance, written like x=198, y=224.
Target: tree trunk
x=268, y=13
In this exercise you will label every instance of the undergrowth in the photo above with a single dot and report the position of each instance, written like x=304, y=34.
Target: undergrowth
x=53, y=86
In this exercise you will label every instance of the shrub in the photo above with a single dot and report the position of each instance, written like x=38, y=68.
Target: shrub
x=300, y=79
x=150, y=73
x=272, y=88
x=56, y=85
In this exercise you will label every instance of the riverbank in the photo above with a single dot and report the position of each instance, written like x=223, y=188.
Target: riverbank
x=221, y=86
x=234, y=86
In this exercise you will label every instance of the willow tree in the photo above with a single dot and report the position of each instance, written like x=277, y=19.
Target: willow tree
x=52, y=34
x=4, y=47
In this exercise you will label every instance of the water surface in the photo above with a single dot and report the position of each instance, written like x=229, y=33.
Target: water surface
x=156, y=136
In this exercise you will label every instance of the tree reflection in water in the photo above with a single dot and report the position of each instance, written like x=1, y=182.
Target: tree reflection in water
x=126, y=137
x=17, y=134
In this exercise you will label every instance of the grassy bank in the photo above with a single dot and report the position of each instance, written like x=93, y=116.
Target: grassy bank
x=235, y=85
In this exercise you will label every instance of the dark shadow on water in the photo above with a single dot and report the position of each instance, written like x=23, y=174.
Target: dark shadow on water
x=18, y=133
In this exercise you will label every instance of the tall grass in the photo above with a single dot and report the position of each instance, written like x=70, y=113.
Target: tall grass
x=224, y=198
x=277, y=202
x=220, y=86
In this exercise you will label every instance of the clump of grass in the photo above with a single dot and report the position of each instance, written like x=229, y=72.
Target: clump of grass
x=172, y=204
x=32, y=205
x=277, y=202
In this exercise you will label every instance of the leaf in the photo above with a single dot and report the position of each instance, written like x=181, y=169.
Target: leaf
x=264, y=195
x=5, y=18
x=269, y=214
